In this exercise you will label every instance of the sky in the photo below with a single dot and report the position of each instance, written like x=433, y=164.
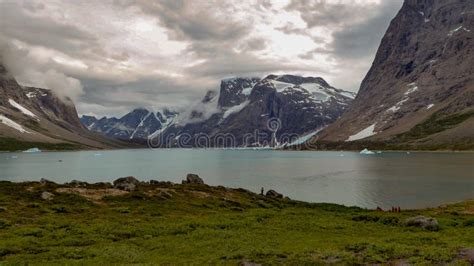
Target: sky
x=113, y=56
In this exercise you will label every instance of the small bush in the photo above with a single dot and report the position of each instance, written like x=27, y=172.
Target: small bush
x=469, y=222
x=365, y=218
x=3, y=224
x=60, y=209
x=390, y=220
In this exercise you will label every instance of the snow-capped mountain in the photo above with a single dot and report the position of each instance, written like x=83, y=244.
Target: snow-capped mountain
x=35, y=117
x=279, y=108
x=139, y=124
x=419, y=91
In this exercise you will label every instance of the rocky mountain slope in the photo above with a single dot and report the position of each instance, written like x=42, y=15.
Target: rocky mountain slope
x=419, y=91
x=37, y=115
x=276, y=110
x=136, y=125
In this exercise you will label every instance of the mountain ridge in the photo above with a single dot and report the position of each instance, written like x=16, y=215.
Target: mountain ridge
x=419, y=91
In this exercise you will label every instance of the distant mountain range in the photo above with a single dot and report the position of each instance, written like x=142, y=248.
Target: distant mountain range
x=32, y=117
x=419, y=92
x=296, y=105
x=136, y=125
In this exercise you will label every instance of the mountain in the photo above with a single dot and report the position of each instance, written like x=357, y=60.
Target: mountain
x=136, y=125
x=276, y=110
x=419, y=92
x=37, y=117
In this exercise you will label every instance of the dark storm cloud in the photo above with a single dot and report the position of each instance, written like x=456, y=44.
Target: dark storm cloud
x=219, y=39
x=17, y=24
x=326, y=13
x=359, y=27
x=362, y=39
x=196, y=20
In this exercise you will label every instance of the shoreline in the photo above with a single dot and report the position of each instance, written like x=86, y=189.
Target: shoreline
x=109, y=184
x=249, y=149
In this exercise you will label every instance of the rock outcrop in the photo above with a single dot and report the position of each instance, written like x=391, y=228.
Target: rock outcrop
x=128, y=183
x=273, y=194
x=427, y=223
x=193, y=179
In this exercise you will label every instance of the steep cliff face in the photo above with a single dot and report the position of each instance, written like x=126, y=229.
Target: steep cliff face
x=420, y=88
x=38, y=115
x=252, y=112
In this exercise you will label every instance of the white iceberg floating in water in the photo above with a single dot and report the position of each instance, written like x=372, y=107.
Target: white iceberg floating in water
x=366, y=152
x=32, y=150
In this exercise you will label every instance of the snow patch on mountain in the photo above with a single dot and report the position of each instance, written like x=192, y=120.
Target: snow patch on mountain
x=306, y=137
x=412, y=87
x=10, y=123
x=247, y=91
x=22, y=109
x=280, y=86
x=451, y=32
x=365, y=133
x=140, y=124
x=235, y=109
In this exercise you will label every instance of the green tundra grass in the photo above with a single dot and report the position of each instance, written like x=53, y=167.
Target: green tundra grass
x=198, y=224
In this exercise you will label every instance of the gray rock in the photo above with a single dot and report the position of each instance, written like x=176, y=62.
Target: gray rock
x=467, y=254
x=249, y=263
x=128, y=183
x=273, y=194
x=193, y=179
x=45, y=181
x=47, y=195
x=427, y=223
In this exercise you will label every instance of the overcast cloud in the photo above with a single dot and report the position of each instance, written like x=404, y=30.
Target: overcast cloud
x=112, y=56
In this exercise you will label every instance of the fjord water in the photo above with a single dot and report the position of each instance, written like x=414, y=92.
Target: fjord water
x=409, y=180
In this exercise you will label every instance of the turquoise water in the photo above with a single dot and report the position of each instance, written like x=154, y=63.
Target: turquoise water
x=389, y=179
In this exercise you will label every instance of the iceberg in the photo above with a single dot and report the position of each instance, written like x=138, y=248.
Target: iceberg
x=32, y=150
x=366, y=152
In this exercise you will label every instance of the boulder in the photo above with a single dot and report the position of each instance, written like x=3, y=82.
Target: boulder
x=248, y=263
x=128, y=183
x=47, y=195
x=193, y=179
x=273, y=194
x=45, y=181
x=467, y=254
x=427, y=223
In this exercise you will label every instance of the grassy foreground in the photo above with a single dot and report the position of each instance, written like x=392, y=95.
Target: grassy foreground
x=198, y=224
